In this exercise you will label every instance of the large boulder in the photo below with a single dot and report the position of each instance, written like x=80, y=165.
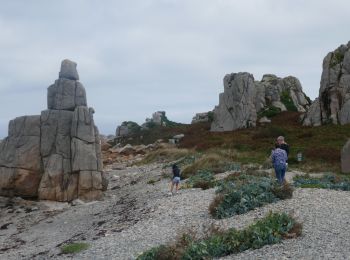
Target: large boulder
x=333, y=103
x=20, y=159
x=345, y=158
x=57, y=155
x=236, y=107
x=202, y=117
x=245, y=100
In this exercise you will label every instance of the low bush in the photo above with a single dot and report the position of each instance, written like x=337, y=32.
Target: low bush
x=202, y=179
x=329, y=181
x=283, y=192
x=239, y=193
x=269, y=230
x=288, y=102
x=245, y=198
x=269, y=112
x=74, y=248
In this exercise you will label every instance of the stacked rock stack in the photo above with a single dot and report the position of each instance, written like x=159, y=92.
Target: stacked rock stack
x=57, y=155
x=333, y=102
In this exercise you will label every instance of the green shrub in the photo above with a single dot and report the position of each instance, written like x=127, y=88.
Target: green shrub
x=245, y=198
x=269, y=230
x=287, y=101
x=269, y=112
x=283, y=192
x=211, y=116
x=239, y=193
x=74, y=248
x=328, y=181
x=337, y=58
x=203, y=179
x=312, y=185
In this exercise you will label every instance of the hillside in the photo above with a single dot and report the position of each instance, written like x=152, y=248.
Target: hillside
x=320, y=146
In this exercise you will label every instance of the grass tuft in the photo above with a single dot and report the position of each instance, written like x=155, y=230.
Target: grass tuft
x=165, y=155
x=74, y=248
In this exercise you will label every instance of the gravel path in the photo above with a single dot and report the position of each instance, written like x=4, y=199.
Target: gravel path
x=326, y=227
x=136, y=216
x=324, y=214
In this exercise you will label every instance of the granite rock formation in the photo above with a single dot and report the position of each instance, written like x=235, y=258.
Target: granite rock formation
x=202, y=117
x=126, y=129
x=345, y=158
x=245, y=100
x=333, y=102
x=55, y=155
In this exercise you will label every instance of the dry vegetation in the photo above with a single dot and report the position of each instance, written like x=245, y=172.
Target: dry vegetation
x=320, y=146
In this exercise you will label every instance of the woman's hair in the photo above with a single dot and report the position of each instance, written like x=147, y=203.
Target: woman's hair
x=174, y=166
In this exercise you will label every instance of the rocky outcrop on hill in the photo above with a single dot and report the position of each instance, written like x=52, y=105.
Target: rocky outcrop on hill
x=333, y=102
x=158, y=118
x=245, y=100
x=202, y=117
x=127, y=128
x=55, y=155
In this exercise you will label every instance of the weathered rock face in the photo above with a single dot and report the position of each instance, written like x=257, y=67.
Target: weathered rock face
x=345, y=158
x=244, y=100
x=333, y=103
x=20, y=164
x=236, y=107
x=158, y=118
x=57, y=155
x=201, y=117
x=126, y=129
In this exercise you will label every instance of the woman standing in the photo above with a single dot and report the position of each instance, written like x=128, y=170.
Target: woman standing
x=279, y=159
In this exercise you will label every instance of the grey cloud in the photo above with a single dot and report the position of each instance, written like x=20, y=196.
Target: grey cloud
x=135, y=57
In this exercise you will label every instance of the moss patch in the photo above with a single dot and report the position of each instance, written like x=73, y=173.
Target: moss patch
x=337, y=58
x=287, y=101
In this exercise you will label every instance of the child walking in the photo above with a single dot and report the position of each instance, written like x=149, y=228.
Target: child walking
x=176, y=179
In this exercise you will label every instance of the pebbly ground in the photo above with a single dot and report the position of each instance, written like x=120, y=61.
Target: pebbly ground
x=136, y=215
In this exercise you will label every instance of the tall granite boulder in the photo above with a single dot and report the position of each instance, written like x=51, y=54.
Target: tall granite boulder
x=236, y=107
x=245, y=100
x=345, y=158
x=57, y=155
x=333, y=103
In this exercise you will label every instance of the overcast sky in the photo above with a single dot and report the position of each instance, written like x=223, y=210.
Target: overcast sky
x=137, y=57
